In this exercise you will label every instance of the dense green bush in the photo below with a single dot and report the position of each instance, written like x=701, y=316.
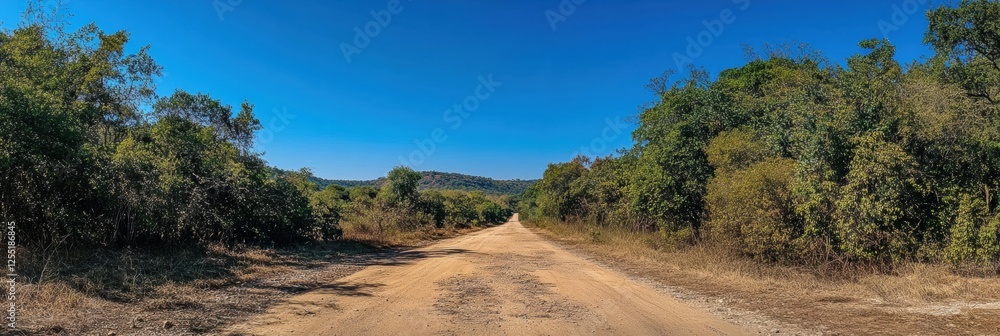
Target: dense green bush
x=399, y=208
x=794, y=158
x=975, y=236
x=82, y=161
x=91, y=156
x=882, y=214
x=752, y=210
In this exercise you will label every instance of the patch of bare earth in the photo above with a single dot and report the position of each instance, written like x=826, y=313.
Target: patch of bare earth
x=500, y=281
x=505, y=288
x=535, y=298
x=918, y=300
x=468, y=298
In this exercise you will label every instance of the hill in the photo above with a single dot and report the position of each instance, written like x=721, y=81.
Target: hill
x=452, y=181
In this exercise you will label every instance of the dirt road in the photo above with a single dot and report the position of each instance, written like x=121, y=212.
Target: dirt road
x=503, y=280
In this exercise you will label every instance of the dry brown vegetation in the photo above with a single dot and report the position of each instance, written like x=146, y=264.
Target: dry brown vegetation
x=160, y=291
x=910, y=299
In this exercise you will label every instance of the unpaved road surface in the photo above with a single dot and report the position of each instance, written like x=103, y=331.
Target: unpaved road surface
x=500, y=281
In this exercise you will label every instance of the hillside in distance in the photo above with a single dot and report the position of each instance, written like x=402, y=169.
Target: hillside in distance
x=450, y=181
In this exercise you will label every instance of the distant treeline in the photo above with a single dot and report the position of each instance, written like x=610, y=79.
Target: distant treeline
x=90, y=155
x=791, y=158
x=431, y=180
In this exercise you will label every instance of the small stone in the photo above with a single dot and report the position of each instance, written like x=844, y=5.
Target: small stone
x=168, y=324
x=112, y=333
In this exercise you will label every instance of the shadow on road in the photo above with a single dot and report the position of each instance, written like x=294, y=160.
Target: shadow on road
x=346, y=289
x=401, y=258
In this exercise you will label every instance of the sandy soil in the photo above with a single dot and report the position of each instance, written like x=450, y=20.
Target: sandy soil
x=503, y=280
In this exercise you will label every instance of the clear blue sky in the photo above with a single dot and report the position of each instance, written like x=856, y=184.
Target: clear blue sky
x=354, y=120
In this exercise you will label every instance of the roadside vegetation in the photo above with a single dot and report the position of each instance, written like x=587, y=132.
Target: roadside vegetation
x=446, y=181
x=795, y=160
x=91, y=156
x=832, y=299
x=122, y=196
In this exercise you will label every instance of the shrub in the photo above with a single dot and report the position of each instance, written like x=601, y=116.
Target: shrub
x=751, y=210
x=737, y=149
x=879, y=216
x=975, y=238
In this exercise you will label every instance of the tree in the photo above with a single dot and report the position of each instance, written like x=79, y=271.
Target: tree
x=400, y=188
x=969, y=35
x=432, y=202
x=328, y=207
x=556, y=197
x=975, y=237
x=752, y=210
x=205, y=111
x=881, y=216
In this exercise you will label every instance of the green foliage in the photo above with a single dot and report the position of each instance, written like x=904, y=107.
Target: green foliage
x=205, y=111
x=791, y=158
x=989, y=243
x=969, y=35
x=604, y=195
x=82, y=161
x=362, y=193
x=181, y=180
x=400, y=187
x=460, y=209
x=975, y=237
x=431, y=202
x=671, y=166
x=752, y=210
x=881, y=215
x=399, y=208
x=490, y=212
x=430, y=180
x=89, y=154
x=735, y=150
x=328, y=207
x=557, y=197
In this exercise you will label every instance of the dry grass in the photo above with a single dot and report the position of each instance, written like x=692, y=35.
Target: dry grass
x=913, y=298
x=184, y=291
x=96, y=291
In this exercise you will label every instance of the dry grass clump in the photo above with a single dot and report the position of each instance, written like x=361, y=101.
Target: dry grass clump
x=199, y=289
x=96, y=291
x=925, y=283
x=907, y=284
x=834, y=298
